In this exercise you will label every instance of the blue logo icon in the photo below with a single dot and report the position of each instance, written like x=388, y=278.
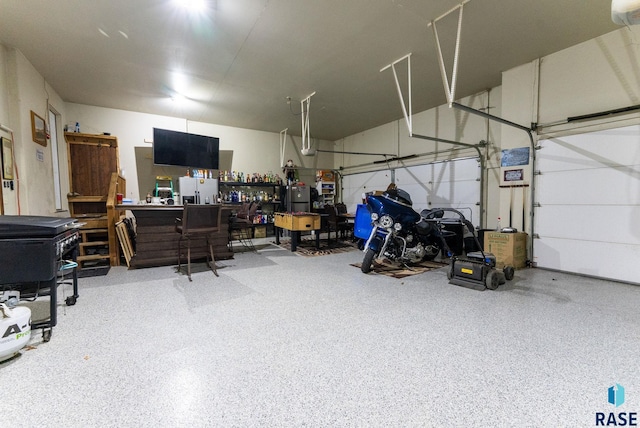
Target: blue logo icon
x=616, y=395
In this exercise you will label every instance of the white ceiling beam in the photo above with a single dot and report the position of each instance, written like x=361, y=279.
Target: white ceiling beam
x=407, y=109
x=283, y=141
x=306, y=133
x=449, y=90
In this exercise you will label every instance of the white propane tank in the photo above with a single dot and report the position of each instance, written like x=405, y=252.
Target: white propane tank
x=625, y=12
x=15, y=330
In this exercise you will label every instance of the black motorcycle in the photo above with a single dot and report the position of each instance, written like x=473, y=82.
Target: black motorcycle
x=399, y=233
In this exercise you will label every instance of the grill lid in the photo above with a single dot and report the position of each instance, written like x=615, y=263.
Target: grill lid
x=30, y=226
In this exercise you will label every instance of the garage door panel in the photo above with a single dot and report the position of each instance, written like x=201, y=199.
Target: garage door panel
x=594, y=258
x=372, y=181
x=463, y=191
x=416, y=181
x=608, y=186
x=466, y=169
x=589, y=204
x=354, y=185
x=608, y=148
x=427, y=191
x=565, y=161
x=455, y=185
x=617, y=224
x=415, y=174
x=418, y=195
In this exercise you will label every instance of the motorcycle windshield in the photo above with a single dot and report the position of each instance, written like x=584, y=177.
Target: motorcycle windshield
x=399, y=212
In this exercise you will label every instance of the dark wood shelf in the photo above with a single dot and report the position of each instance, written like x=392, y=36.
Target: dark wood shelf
x=246, y=184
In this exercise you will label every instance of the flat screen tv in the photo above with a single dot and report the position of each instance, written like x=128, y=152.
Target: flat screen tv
x=184, y=149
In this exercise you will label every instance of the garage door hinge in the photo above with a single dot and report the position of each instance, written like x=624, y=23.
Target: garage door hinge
x=536, y=236
x=537, y=172
x=537, y=204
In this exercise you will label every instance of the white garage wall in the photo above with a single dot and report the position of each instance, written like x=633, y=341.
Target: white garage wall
x=597, y=75
x=588, y=221
x=254, y=151
x=440, y=122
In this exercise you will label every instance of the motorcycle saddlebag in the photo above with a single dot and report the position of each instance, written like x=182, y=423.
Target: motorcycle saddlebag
x=362, y=224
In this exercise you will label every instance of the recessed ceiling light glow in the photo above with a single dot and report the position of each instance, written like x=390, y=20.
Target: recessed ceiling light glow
x=178, y=98
x=179, y=82
x=193, y=5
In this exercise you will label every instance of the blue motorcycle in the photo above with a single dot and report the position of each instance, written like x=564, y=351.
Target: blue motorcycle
x=398, y=232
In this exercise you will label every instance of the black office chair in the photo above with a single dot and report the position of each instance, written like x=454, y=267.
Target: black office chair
x=335, y=224
x=198, y=222
x=345, y=225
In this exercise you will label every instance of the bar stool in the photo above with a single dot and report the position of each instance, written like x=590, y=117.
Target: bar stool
x=198, y=221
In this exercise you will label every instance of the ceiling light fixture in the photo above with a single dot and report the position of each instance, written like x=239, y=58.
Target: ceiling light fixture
x=625, y=12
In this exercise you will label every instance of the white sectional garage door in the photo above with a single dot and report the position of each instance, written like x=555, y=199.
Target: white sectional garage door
x=354, y=185
x=453, y=184
x=588, y=219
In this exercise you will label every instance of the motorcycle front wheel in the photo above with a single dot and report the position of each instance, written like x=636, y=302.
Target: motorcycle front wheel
x=369, y=256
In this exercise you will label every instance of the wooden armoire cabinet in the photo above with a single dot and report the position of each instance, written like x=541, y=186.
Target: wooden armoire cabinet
x=94, y=179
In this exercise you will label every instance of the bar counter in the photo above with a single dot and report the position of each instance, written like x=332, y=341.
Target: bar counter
x=157, y=239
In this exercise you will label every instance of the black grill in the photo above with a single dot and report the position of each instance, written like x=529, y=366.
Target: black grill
x=32, y=251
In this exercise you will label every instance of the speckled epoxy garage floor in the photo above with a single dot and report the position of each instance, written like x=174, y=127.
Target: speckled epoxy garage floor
x=283, y=340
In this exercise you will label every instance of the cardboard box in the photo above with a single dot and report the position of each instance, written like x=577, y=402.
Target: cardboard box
x=326, y=175
x=260, y=232
x=302, y=221
x=510, y=249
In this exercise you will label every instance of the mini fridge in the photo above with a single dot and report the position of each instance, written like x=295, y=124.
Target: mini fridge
x=198, y=190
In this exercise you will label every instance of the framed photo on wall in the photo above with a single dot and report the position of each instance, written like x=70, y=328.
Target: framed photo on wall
x=38, y=132
x=7, y=159
x=514, y=175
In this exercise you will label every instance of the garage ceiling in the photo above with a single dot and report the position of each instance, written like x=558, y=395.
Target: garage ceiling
x=236, y=62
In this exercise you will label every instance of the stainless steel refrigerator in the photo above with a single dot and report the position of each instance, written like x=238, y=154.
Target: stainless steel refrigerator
x=298, y=198
x=198, y=190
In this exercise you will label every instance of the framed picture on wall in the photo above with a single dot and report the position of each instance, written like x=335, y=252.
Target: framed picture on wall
x=38, y=132
x=514, y=175
x=515, y=157
x=7, y=159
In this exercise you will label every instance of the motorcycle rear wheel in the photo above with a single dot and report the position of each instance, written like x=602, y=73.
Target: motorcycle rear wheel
x=367, y=261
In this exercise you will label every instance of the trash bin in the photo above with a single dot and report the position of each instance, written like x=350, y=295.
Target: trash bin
x=480, y=233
